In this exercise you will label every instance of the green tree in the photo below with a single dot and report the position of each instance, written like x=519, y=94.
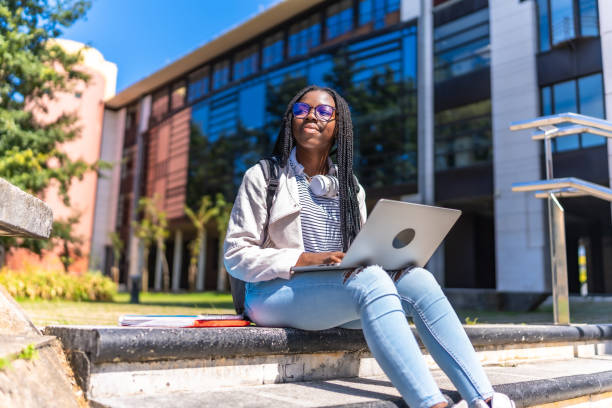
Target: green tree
x=69, y=243
x=206, y=212
x=152, y=228
x=224, y=210
x=33, y=70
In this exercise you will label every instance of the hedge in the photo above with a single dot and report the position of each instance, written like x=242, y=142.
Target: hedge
x=57, y=284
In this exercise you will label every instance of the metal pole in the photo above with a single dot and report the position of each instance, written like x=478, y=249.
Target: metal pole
x=548, y=153
x=559, y=261
x=556, y=228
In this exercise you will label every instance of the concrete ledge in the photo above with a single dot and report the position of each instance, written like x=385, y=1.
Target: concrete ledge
x=111, y=362
x=113, y=344
x=558, y=389
x=22, y=214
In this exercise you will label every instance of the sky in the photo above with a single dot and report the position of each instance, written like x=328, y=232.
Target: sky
x=142, y=36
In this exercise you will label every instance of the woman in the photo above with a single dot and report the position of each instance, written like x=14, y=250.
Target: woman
x=306, y=229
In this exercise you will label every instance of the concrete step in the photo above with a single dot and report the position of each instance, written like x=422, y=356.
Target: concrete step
x=22, y=376
x=114, y=362
x=585, y=382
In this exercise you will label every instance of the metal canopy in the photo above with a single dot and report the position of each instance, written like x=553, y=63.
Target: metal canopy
x=569, y=185
x=553, y=132
x=568, y=117
x=548, y=128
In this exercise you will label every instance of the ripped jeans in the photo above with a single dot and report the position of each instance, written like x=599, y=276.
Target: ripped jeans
x=378, y=303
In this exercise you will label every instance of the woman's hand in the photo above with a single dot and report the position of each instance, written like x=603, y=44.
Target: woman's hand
x=318, y=258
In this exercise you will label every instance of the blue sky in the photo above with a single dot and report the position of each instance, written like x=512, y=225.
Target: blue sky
x=142, y=36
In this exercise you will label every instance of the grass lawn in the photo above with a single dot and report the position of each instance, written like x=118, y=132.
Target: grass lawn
x=44, y=313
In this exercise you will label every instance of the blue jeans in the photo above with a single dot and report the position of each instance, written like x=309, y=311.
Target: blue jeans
x=378, y=302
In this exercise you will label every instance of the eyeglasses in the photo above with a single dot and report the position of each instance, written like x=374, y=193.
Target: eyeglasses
x=322, y=112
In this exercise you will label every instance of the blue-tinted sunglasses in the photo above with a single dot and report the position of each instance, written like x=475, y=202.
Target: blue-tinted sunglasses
x=323, y=113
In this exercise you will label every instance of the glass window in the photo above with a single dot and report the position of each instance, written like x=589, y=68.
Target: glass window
x=546, y=101
x=273, y=50
x=178, y=94
x=379, y=13
x=590, y=93
x=366, y=11
x=544, y=25
x=222, y=118
x=564, y=100
x=199, y=119
x=220, y=150
x=371, y=78
x=238, y=124
x=304, y=36
x=463, y=136
x=246, y=63
x=221, y=74
x=463, y=23
x=589, y=22
x=320, y=70
x=585, y=96
x=562, y=20
x=339, y=19
x=159, y=106
x=410, y=65
x=465, y=37
x=198, y=84
x=462, y=45
x=252, y=106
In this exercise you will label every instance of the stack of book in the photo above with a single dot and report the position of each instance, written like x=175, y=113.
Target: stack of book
x=204, y=320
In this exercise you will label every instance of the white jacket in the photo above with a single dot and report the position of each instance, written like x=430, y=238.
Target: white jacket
x=246, y=255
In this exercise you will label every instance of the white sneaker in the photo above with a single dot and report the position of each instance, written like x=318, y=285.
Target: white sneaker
x=499, y=400
x=460, y=404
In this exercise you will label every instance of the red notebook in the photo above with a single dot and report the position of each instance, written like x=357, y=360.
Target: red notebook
x=204, y=320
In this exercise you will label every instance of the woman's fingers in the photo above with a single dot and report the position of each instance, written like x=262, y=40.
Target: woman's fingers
x=317, y=258
x=334, y=257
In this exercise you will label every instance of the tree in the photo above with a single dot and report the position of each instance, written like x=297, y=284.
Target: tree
x=69, y=243
x=33, y=69
x=197, y=247
x=152, y=229
x=224, y=210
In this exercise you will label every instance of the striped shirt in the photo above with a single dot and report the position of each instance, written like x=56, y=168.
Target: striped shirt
x=320, y=216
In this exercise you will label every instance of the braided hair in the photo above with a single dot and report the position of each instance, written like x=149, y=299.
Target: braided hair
x=350, y=219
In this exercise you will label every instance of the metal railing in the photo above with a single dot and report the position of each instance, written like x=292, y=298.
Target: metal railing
x=551, y=188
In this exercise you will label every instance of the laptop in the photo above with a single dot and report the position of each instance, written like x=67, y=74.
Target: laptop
x=396, y=235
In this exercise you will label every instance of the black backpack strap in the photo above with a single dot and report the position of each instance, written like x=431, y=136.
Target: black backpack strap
x=271, y=169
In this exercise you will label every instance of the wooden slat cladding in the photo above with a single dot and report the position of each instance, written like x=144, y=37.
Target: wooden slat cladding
x=168, y=158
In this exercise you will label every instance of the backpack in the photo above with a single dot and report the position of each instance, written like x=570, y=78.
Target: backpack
x=270, y=168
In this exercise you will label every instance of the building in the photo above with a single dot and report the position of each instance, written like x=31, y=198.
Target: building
x=433, y=85
x=87, y=102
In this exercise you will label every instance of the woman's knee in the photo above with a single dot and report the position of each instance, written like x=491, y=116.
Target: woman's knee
x=418, y=282
x=371, y=282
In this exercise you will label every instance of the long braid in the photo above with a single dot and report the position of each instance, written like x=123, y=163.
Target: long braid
x=350, y=219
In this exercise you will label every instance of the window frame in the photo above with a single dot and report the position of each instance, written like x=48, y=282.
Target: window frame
x=578, y=105
x=577, y=25
x=440, y=67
